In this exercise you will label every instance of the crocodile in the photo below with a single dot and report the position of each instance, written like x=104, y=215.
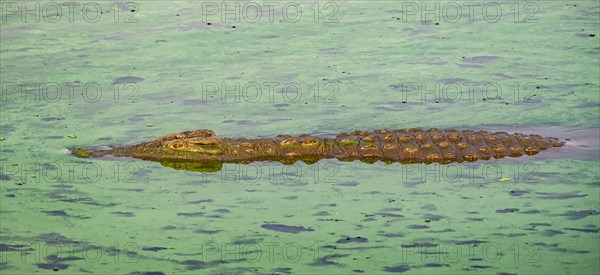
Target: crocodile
x=202, y=151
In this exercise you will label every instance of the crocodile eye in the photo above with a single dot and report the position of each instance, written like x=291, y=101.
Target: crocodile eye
x=175, y=145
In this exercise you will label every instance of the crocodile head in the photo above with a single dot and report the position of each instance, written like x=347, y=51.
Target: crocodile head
x=197, y=141
x=197, y=150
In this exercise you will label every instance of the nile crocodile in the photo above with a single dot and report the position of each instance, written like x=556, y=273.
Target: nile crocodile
x=201, y=150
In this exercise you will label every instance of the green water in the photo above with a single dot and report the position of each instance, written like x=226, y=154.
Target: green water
x=131, y=76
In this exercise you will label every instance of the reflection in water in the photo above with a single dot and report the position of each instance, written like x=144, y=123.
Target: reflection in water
x=209, y=167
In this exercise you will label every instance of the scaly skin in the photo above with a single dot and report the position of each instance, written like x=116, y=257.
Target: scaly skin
x=201, y=150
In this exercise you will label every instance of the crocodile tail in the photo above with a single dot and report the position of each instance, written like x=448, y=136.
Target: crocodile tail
x=434, y=145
